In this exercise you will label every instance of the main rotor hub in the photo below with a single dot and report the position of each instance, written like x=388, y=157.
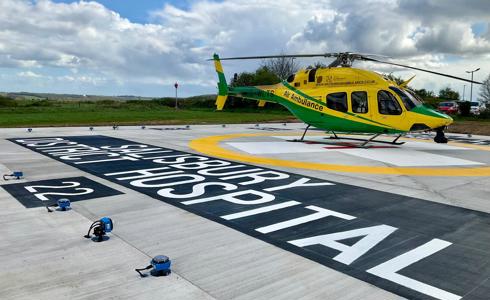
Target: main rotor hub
x=344, y=59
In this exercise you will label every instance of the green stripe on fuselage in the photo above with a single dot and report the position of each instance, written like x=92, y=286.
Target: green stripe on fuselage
x=290, y=87
x=429, y=112
x=312, y=117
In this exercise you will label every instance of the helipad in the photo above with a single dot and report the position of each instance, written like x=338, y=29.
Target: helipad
x=244, y=214
x=412, y=155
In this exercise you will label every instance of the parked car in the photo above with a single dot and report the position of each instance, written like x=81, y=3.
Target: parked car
x=475, y=108
x=450, y=107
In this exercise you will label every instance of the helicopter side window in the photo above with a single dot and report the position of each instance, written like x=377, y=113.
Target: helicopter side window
x=311, y=75
x=290, y=78
x=337, y=101
x=387, y=104
x=319, y=79
x=297, y=84
x=406, y=98
x=359, y=102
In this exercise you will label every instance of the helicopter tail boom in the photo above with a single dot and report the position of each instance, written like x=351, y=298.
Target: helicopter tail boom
x=222, y=85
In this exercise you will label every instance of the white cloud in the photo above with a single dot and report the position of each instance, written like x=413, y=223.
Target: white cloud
x=29, y=74
x=87, y=44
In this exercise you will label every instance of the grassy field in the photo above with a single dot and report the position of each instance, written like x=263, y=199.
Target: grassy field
x=39, y=112
x=72, y=113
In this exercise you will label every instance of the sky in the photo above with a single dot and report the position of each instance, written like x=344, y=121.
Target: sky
x=142, y=47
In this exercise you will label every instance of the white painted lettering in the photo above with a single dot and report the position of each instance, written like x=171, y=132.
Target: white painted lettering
x=298, y=183
x=320, y=213
x=143, y=182
x=372, y=236
x=388, y=270
x=212, y=171
x=106, y=160
x=258, y=177
x=202, y=165
x=260, y=210
x=197, y=190
x=234, y=198
x=145, y=173
x=180, y=158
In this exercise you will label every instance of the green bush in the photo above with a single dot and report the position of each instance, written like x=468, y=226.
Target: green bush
x=464, y=108
x=170, y=102
x=41, y=103
x=7, y=102
x=106, y=102
x=484, y=114
x=432, y=102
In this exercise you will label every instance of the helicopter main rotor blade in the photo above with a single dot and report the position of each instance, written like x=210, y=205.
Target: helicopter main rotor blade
x=419, y=69
x=280, y=56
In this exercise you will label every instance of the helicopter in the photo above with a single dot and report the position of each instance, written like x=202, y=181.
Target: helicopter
x=340, y=98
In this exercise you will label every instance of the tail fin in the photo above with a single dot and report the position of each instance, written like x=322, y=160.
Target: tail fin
x=222, y=85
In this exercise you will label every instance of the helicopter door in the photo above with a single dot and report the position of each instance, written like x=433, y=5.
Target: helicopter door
x=389, y=110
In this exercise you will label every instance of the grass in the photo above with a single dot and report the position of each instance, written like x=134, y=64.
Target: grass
x=459, y=119
x=24, y=113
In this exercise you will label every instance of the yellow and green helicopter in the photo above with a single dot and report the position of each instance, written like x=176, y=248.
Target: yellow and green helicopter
x=339, y=98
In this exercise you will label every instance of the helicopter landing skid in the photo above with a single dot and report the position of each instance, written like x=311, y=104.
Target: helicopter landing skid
x=363, y=145
x=372, y=139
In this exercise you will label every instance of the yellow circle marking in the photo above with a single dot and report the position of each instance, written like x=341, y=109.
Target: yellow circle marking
x=210, y=146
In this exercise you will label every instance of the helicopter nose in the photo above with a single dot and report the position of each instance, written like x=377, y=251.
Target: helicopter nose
x=446, y=121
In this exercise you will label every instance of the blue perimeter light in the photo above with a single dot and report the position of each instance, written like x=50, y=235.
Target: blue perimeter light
x=100, y=227
x=160, y=265
x=107, y=223
x=64, y=204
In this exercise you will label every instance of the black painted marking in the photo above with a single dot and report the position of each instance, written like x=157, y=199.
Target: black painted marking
x=450, y=244
x=171, y=128
x=47, y=192
x=270, y=128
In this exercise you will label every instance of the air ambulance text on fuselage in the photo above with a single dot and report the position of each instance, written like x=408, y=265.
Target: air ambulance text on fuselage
x=303, y=101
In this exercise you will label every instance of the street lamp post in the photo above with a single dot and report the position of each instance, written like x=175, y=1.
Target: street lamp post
x=471, y=85
x=176, y=85
x=464, y=88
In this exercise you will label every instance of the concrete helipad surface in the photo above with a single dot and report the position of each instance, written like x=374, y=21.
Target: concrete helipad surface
x=244, y=213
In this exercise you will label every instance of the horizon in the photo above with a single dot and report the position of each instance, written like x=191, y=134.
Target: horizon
x=139, y=48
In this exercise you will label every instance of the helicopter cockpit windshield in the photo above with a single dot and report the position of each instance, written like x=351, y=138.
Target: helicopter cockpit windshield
x=409, y=101
x=417, y=97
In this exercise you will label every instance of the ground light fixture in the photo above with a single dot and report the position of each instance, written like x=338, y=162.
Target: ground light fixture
x=101, y=228
x=160, y=266
x=63, y=204
x=14, y=175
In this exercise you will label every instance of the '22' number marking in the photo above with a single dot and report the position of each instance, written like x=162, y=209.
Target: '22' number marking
x=70, y=184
